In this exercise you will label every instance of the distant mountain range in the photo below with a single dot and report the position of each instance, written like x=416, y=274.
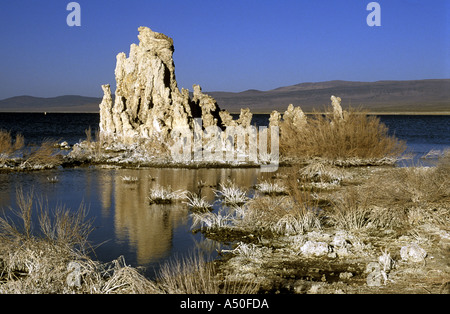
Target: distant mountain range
x=381, y=96
x=421, y=96
x=67, y=103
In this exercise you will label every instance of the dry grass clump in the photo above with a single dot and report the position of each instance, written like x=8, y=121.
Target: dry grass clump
x=197, y=203
x=410, y=186
x=7, y=146
x=271, y=188
x=195, y=275
x=396, y=198
x=262, y=213
x=95, y=143
x=163, y=195
x=119, y=278
x=224, y=218
x=44, y=156
x=35, y=260
x=357, y=136
x=279, y=215
x=231, y=194
x=321, y=171
x=350, y=210
x=49, y=255
x=293, y=214
x=32, y=157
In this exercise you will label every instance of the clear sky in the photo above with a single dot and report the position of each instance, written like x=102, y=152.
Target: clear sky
x=230, y=45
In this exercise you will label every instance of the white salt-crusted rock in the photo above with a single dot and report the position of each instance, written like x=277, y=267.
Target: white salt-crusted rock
x=337, y=109
x=295, y=116
x=412, y=253
x=315, y=248
x=148, y=103
x=275, y=118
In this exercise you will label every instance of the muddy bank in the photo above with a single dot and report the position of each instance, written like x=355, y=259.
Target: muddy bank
x=281, y=269
x=400, y=245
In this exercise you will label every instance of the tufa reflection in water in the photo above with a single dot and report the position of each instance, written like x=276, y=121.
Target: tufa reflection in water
x=149, y=229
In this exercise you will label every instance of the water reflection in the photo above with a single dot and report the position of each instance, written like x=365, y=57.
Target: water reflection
x=149, y=229
x=125, y=222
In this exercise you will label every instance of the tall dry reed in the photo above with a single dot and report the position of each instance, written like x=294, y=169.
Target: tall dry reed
x=195, y=275
x=8, y=146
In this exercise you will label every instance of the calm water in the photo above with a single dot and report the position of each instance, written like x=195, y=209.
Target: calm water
x=125, y=223
x=422, y=133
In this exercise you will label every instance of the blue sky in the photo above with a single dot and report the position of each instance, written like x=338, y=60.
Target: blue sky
x=231, y=45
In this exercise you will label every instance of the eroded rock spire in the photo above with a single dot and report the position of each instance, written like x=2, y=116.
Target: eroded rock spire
x=148, y=103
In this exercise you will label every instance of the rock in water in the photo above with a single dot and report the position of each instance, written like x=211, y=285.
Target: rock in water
x=148, y=103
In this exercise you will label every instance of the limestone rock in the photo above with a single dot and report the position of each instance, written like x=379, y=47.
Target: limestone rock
x=295, y=116
x=245, y=118
x=209, y=108
x=337, y=109
x=148, y=104
x=412, y=253
x=274, y=119
x=227, y=119
x=345, y=275
x=315, y=248
x=106, y=121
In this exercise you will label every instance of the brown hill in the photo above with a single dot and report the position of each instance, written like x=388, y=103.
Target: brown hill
x=68, y=103
x=422, y=96
x=381, y=96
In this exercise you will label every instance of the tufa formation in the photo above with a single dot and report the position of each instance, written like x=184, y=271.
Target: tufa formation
x=148, y=103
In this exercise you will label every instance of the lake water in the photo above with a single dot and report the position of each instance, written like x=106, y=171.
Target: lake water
x=125, y=223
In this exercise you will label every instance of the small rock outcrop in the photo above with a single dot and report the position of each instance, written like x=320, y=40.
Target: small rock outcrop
x=295, y=116
x=275, y=118
x=337, y=109
x=413, y=253
x=147, y=103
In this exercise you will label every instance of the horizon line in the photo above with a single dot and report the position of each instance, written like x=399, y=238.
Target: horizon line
x=251, y=89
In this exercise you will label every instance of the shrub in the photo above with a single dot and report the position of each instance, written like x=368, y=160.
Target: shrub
x=279, y=215
x=357, y=136
x=43, y=157
x=35, y=257
x=396, y=197
x=49, y=254
x=350, y=210
x=7, y=146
